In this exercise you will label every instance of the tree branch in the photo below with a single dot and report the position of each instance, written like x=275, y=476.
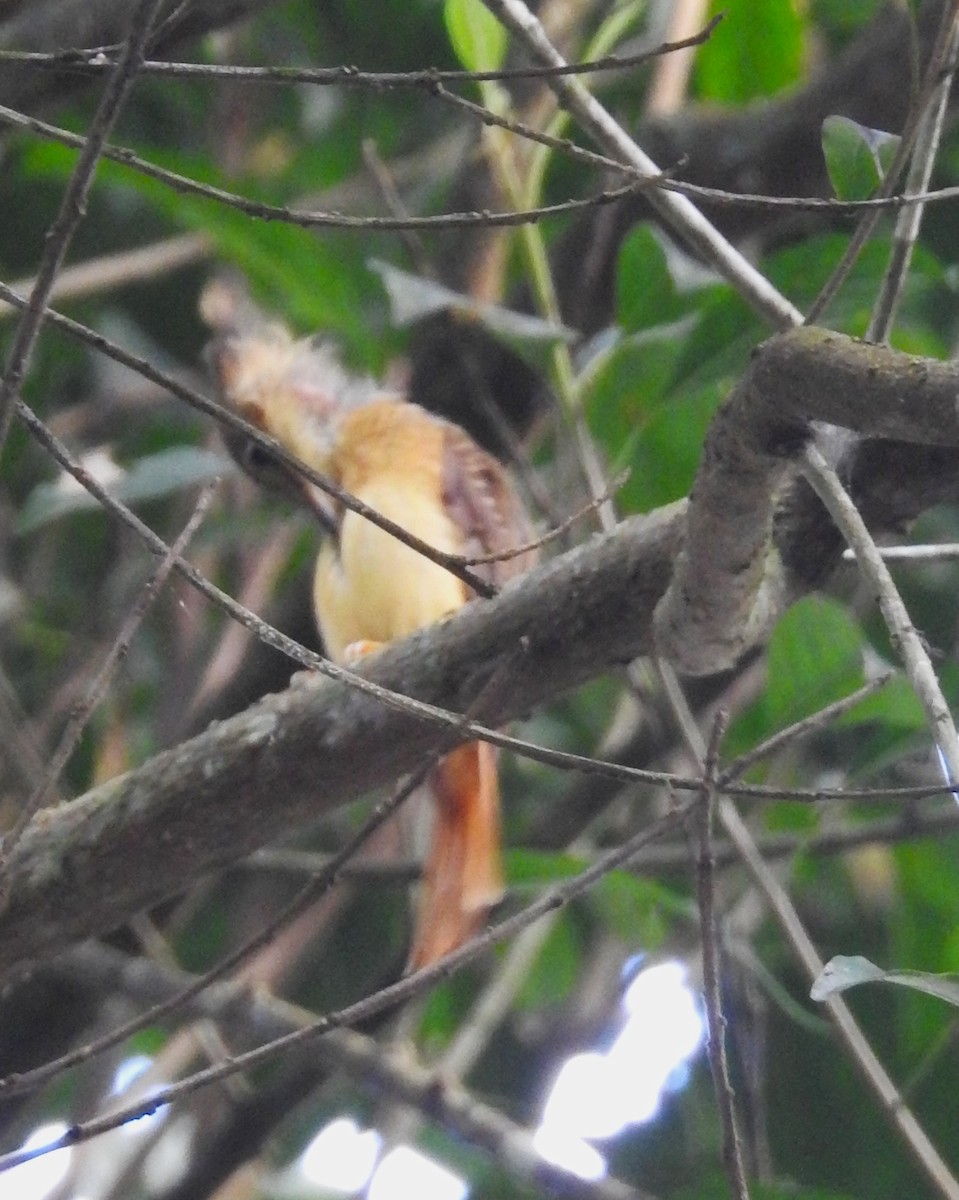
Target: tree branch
x=729, y=586
x=56, y=24
x=84, y=868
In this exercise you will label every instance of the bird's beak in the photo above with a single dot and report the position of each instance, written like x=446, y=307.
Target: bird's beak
x=278, y=477
x=320, y=505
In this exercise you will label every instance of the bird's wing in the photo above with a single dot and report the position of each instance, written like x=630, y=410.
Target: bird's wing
x=483, y=504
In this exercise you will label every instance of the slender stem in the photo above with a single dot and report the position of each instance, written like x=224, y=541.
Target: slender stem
x=904, y=636
x=712, y=970
x=924, y=153
x=80, y=715
x=73, y=208
x=681, y=214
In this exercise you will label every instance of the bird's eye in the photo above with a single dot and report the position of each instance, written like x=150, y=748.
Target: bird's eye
x=257, y=460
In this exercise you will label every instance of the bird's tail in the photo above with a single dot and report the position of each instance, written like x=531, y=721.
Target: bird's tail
x=463, y=876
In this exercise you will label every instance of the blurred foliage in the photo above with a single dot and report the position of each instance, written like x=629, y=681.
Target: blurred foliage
x=649, y=384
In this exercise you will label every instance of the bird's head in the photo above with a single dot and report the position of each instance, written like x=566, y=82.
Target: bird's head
x=293, y=390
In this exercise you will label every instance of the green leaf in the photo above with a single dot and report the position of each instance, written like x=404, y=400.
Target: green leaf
x=756, y=50
x=635, y=908
x=149, y=478
x=536, y=868
x=413, y=297
x=554, y=973
x=857, y=157
x=815, y=657
x=628, y=385
x=666, y=451
x=645, y=291
x=846, y=971
x=886, y=723
x=478, y=38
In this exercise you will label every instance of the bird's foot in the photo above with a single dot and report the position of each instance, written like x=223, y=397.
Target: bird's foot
x=359, y=650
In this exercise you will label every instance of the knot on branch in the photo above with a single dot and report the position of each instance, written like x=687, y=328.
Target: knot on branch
x=730, y=585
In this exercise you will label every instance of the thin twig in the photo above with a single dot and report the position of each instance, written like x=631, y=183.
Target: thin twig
x=778, y=899
x=73, y=207
x=681, y=215
x=712, y=969
x=910, y=825
x=801, y=729
x=306, y=219
x=868, y=223
x=761, y=791
x=288, y=861
x=95, y=62
x=97, y=689
x=930, y=552
x=924, y=154
x=881, y=831
x=557, y=531
x=117, y=270
x=902, y=632
x=818, y=204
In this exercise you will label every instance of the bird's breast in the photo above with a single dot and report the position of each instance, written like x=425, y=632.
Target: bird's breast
x=371, y=587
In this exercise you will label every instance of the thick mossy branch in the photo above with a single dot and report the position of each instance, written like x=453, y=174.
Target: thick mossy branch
x=730, y=583
x=85, y=867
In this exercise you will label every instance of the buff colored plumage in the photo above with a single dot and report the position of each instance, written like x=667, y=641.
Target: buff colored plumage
x=429, y=477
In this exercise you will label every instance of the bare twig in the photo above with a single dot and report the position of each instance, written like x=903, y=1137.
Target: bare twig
x=184, y=185
x=677, y=211
x=836, y=839
x=931, y=552
x=98, y=686
x=800, y=729
x=904, y=637
x=712, y=969
x=95, y=62
x=73, y=207
x=557, y=531
x=923, y=158
x=117, y=270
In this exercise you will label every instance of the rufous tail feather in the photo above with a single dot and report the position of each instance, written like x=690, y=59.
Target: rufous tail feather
x=463, y=875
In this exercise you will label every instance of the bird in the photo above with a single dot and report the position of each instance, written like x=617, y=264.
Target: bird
x=428, y=476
